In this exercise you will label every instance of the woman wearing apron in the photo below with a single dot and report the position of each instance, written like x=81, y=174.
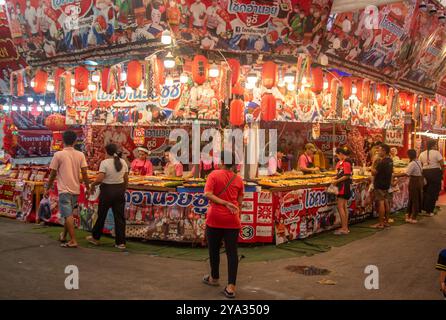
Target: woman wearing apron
x=306, y=164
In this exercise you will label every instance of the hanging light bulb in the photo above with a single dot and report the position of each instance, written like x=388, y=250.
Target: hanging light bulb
x=214, y=71
x=128, y=90
x=30, y=108
x=91, y=87
x=166, y=37
x=2, y=2
x=325, y=85
x=249, y=85
x=123, y=76
x=378, y=95
x=252, y=77
x=50, y=86
x=169, y=61
x=30, y=99
x=22, y=108
x=14, y=108
x=95, y=77
x=184, y=78
x=39, y=108
x=54, y=107
x=41, y=102
x=291, y=87
x=72, y=82
x=47, y=108
x=281, y=83
x=33, y=83
x=354, y=90
x=5, y=107
x=169, y=81
x=288, y=77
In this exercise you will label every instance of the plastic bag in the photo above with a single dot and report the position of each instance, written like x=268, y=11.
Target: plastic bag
x=44, y=212
x=333, y=189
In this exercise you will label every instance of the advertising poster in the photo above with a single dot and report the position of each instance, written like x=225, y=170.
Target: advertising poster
x=8, y=205
x=395, y=137
x=283, y=27
x=10, y=60
x=49, y=31
x=179, y=216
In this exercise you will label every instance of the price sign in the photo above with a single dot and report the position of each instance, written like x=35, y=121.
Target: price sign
x=138, y=136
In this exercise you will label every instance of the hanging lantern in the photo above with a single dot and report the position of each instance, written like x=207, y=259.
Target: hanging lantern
x=402, y=98
x=81, y=78
x=268, y=107
x=40, y=80
x=134, y=74
x=199, y=69
x=317, y=76
x=17, y=83
x=56, y=122
x=108, y=85
x=382, y=97
x=334, y=92
x=358, y=82
x=236, y=112
x=347, y=84
x=269, y=74
x=238, y=89
x=234, y=64
x=390, y=99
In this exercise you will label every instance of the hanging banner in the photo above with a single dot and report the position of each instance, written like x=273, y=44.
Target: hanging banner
x=10, y=60
x=282, y=27
x=395, y=137
x=51, y=31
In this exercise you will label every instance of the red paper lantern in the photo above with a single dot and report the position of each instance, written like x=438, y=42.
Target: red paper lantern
x=347, y=84
x=358, y=83
x=382, y=89
x=134, y=74
x=108, y=85
x=236, y=112
x=56, y=122
x=365, y=91
x=402, y=98
x=238, y=89
x=81, y=78
x=318, y=79
x=234, y=64
x=199, y=69
x=268, y=107
x=40, y=80
x=390, y=99
x=269, y=74
x=334, y=92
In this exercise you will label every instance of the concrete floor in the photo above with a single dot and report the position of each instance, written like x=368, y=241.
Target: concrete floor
x=32, y=267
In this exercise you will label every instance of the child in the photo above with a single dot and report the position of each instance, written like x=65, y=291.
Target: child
x=441, y=266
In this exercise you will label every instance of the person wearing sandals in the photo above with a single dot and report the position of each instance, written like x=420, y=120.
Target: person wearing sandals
x=65, y=166
x=432, y=162
x=113, y=180
x=416, y=183
x=382, y=181
x=224, y=189
x=343, y=182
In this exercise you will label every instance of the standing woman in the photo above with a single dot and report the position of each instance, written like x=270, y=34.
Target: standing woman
x=432, y=162
x=416, y=183
x=113, y=179
x=224, y=189
x=343, y=181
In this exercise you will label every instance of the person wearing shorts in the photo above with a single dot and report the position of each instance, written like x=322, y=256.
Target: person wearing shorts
x=65, y=166
x=343, y=182
x=382, y=181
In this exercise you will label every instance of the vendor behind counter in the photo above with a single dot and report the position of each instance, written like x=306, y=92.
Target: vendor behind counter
x=306, y=160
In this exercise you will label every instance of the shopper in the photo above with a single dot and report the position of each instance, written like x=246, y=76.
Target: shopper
x=224, y=189
x=441, y=266
x=65, y=166
x=382, y=173
x=432, y=162
x=306, y=160
x=343, y=182
x=113, y=181
x=415, y=173
x=142, y=166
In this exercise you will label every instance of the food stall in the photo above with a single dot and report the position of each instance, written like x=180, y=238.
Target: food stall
x=134, y=76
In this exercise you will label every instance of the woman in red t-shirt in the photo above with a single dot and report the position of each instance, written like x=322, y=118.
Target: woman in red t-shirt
x=224, y=189
x=343, y=181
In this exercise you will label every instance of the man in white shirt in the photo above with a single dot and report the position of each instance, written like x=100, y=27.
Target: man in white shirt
x=198, y=10
x=31, y=18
